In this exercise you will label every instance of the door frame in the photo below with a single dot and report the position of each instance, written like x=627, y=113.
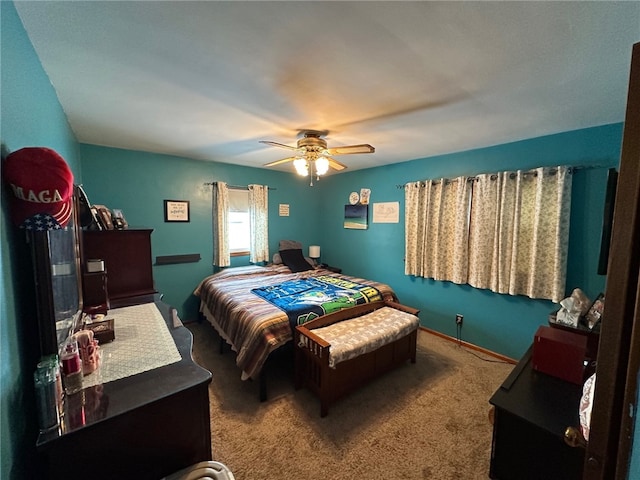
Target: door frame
x=614, y=405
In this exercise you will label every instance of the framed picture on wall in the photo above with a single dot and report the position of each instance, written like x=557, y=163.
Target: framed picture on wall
x=176, y=210
x=356, y=216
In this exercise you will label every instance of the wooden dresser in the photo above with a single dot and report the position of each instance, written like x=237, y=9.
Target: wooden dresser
x=127, y=259
x=144, y=426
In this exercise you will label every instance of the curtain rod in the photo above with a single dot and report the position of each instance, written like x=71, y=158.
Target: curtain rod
x=237, y=187
x=572, y=169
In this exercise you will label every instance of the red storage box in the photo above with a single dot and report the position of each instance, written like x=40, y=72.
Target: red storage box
x=560, y=353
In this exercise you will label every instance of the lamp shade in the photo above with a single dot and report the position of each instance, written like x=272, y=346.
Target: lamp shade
x=314, y=251
x=322, y=165
x=301, y=165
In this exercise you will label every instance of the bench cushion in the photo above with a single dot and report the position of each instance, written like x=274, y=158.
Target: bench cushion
x=356, y=336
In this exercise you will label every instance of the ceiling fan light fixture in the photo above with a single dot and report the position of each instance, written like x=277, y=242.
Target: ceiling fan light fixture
x=322, y=165
x=301, y=166
x=312, y=157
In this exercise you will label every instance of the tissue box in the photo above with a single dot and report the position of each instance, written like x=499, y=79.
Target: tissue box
x=103, y=331
x=560, y=353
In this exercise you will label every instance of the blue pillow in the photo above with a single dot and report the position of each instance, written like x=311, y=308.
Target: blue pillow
x=294, y=259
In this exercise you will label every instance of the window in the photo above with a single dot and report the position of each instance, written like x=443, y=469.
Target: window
x=239, y=223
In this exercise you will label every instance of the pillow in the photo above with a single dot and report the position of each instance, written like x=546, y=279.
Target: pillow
x=294, y=259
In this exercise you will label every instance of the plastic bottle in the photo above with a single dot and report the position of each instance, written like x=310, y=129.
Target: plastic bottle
x=71, y=367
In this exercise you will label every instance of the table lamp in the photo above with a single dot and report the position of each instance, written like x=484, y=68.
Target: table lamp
x=314, y=253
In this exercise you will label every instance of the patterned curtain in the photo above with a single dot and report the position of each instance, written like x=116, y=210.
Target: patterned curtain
x=484, y=248
x=414, y=228
x=436, y=229
x=220, y=208
x=259, y=220
x=519, y=232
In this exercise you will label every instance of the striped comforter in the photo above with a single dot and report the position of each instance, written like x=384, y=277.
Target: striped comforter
x=252, y=326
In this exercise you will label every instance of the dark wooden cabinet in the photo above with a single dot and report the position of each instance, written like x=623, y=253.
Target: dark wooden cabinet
x=127, y=259
x=532, y=412
x=144, y=426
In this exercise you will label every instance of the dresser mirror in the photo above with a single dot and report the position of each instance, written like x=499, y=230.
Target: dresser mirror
x=56, y=269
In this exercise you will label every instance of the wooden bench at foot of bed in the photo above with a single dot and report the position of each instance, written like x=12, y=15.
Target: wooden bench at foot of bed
x=366, y=341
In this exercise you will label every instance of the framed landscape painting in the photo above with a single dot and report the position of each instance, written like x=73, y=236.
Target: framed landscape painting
x=356, y=216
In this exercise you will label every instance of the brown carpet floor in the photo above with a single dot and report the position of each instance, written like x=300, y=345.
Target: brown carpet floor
x=427, y=420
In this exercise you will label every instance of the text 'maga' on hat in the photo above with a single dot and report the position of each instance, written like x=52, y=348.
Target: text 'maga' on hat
x=42, y=186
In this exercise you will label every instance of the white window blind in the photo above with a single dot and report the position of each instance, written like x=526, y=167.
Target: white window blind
x=239, y=221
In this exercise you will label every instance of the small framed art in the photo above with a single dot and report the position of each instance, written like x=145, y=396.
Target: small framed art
x=176, y=210
x=356, y=216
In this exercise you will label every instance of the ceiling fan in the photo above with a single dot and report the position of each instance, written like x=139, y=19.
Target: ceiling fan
x=312, y=155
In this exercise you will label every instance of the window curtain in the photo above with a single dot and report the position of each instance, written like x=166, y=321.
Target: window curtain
x=484, y=246
x=259, y=219
x=519, y=232
x=414, y=228
x=220, y=209
x=436, y=229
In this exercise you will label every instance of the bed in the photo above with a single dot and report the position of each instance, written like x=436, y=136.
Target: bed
x=253, y=325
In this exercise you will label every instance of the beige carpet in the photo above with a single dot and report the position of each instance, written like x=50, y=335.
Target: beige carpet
x=427, y=420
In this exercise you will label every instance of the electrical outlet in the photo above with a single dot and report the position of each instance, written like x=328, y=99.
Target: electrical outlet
x=459, y=318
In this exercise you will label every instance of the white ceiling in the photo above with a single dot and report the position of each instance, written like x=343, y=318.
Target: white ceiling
x=208, y=80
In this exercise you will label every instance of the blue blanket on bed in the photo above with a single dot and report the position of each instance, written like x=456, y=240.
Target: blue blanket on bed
x=310, y=298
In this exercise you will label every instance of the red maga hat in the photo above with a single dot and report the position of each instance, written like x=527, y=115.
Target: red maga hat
x=42, y=185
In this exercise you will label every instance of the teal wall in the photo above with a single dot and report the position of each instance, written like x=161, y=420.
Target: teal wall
x=138, y=183
x=30, y=116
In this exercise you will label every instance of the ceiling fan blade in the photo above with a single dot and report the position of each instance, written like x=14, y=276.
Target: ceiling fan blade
x=407, y=109
x=336, y=165
x=278, y=162
x=363, y=148
x=276, y=144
